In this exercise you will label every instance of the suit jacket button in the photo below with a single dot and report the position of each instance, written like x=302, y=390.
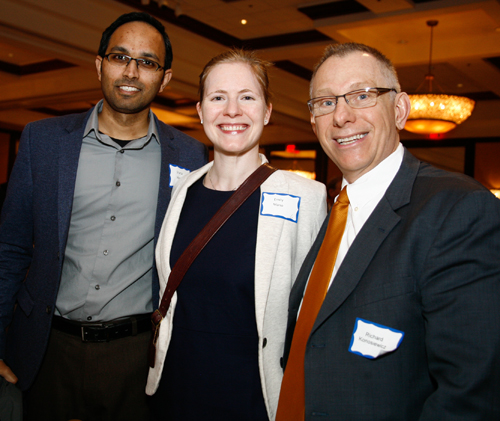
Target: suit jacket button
x=264, y=343
x=48, y=309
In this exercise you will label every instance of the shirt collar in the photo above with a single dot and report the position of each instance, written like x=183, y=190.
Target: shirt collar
x=376, y=181
x=93, y=125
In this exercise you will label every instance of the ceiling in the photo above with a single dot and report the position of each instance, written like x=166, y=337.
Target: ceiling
x=48, y=48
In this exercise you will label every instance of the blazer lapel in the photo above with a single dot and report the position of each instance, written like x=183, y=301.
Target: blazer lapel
x=172, y=216
x=378, y=226
x=169, y=153
x=268, y=237
x=69, y=154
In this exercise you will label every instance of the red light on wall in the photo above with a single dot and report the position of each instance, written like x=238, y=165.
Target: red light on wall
x=436, y=136
x=291, y=149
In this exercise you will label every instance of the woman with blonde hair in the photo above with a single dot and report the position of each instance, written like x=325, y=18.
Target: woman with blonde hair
x=219, y=346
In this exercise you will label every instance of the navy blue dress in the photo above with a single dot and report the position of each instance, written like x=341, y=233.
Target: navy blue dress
x=211, y=369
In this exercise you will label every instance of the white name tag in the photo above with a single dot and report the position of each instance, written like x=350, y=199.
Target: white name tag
x=176, y=173
x=280, y=205
x=371, y=340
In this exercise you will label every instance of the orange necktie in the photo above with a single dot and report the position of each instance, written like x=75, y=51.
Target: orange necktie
x=291, y=404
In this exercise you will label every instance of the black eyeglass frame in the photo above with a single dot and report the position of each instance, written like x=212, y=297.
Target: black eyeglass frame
x=137, y=60
x=380, y=91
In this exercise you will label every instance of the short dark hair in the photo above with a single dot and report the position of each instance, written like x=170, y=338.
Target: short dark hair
x=137, y=17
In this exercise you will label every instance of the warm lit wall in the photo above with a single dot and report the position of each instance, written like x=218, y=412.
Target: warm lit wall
x=487, y=164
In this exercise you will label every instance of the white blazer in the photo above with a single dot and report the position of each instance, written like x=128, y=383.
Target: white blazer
x=282, y=245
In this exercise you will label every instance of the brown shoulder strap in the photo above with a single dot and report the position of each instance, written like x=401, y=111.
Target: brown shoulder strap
x=243, y=192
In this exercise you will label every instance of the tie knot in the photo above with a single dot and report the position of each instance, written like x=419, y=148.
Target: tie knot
x=343, y=199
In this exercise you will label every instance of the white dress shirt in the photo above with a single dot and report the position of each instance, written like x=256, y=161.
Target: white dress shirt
x=364, y=195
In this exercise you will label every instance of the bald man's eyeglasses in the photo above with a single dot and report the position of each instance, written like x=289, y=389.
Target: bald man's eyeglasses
x=360, y=98
x=122, y=60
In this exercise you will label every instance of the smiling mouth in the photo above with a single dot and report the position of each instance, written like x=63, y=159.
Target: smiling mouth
x=233, y=127
x=351, y=139
x=129, y=88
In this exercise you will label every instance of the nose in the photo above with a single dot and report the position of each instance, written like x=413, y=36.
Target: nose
x=343, y=113
x=131, y=70
x=232, y=108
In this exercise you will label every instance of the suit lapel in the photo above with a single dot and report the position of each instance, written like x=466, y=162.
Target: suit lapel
x=70, y=145
x=297, y=292
x=268, y=236
x=169, y=153
x=378, y=226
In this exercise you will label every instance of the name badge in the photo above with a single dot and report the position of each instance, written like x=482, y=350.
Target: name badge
x=371, y=340
x=280, y=205
x=176, y=173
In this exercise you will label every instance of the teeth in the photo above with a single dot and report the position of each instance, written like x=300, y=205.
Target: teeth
x=129, y=88
x=347, y=140
x=232, y=128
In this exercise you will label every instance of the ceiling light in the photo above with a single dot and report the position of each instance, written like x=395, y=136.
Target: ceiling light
x=436, y=112
x=243, y=21
x=496, y=192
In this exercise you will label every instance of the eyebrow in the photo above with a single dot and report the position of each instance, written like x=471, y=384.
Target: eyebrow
x=353, y=87
x=125, y=51
x=222, y=91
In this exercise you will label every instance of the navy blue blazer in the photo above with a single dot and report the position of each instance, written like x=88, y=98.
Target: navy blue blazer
x=427, y=263
x=34, y=228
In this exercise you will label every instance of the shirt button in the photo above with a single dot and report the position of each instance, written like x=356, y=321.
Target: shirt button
x=264, y=343
x=89, y=318
x=122, y=151
x=105, y=252
x=118, y=184
x=97, y=287
x=356, y=208
x=113, y=218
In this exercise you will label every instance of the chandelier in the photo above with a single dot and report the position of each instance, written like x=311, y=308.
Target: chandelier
x=434, y=112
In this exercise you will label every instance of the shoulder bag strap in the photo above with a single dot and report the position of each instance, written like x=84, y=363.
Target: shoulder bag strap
x=243, y=192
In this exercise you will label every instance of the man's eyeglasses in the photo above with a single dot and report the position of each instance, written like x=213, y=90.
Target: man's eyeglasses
x=361, y=98
x=122, y=60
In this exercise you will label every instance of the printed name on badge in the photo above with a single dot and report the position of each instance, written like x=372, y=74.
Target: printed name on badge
x=371, y=340
x=176, y=173
x=280, y=205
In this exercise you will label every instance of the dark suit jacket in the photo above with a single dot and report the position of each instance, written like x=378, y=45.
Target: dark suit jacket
x=426, y=262
x=34, y=228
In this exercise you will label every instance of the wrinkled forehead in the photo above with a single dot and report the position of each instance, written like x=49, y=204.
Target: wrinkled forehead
x=356, y=70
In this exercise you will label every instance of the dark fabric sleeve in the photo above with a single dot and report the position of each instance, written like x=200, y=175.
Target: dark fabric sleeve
x=16, y=234
x=460, y=306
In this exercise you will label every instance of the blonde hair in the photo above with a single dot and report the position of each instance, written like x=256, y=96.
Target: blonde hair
x=236, y=55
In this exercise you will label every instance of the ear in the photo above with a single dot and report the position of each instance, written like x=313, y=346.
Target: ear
x=269, y=110
x=166, y=78
x=402, y=107
x=200, y=113
x=313, y=124
x=98, y=66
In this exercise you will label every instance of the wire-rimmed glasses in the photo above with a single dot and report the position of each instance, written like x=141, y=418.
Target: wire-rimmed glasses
x=360, y=98
x=123, y=60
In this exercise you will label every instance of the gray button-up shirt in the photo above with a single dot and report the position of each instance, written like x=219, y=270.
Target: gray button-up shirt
x=107, y=268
